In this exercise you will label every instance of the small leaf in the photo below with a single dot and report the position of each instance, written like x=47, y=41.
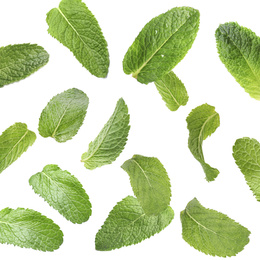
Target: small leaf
x=14, y=141
x=212, y=232
x=202, y=122
x=73, y=24
x=172, y=90
x=238, y=49
x=64, y=115
x=63, y=192
x=127, y=224
x=246, y=153
x=150, y=183
x=162, y=44
x=110, y=141
x=20, y=61
x=28, y=228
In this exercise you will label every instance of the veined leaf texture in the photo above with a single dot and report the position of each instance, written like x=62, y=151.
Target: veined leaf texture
x=73, y=24
x=14, y=141
x=162, y=44
x=64, y=115
x=62, y=191
x=30, y=229
x=212, y=232
x=111, y=140
x=19, y=61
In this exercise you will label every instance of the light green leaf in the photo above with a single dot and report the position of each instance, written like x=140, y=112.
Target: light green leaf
x=64, y=115
x=127, y=224
x=202, y=122
x=246, y=153
x=28, y=228
x=14, y=141
x=162, y=44
x=212, y=232
x=150, y=183
x=111, y=140
x=238, y=49
x=20, y=61
x=73, y=24
x=63, y=192
x=172, y=90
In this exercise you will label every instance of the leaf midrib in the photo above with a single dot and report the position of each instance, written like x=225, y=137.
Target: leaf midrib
x=73, y=28
x=256, y=76
x=24, y=227
x=20, y=140
x=200, y=135
x=175, y=100
x=120, y=230
x=204, y=227
x=199, y=224
x=59, y=187
x=148, y=181
x=104, y=136
x=135, y=74
x=61, y=118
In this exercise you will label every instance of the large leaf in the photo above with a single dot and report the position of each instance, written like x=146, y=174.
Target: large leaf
x=19, y=61
x=162, y=44
x=212, y=232
x=238, y=49
x=63, y=192
x=111, y=140
x=202, y=122
x=172, y=90
x=28, y=228
x=246, y=153
x=14, y=141
x=150, y=183
x=127, y=224
x=73, y=24
x=64, y=115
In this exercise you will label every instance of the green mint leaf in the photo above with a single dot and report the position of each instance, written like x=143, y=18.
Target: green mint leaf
x=20, y=61
x=111, y=140
x=28, y=228
x=73, y=24
x=246, y=153
x=172, y=90
x=162, y=44
x=64, y=115
x=14, y=141
x=127, y=224
x=202, y=122
x=63, y=192
x=150, y=183
x=212, y=232
x=238, y=49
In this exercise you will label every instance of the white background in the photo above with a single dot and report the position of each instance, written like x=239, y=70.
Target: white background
x=155, y=131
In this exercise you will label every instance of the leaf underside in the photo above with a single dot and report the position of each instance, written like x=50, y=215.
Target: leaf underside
x=63, y=192
x=202, y=122
x=212, y=232
x=14, y=141
x=238, y=49
x=127, y=224
x=20, y=61
x=150, y=183
x=28, y=228
x=246, y=153
x=111, y=140
x=73, y=24
x=162, y=44
x=172, y=90
x=64, y=115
